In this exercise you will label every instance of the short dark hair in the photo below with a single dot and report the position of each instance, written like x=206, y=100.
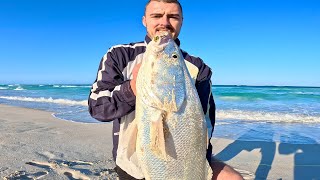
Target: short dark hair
x=165, y=1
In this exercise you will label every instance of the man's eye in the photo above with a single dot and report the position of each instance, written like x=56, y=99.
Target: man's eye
x=156, y=15
x=174, y=17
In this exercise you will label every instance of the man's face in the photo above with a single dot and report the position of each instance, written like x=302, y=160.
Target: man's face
x=160, y=16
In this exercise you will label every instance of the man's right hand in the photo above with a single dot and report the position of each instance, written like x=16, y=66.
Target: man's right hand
x=133, y=81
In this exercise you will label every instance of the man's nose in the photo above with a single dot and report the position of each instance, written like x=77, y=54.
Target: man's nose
x=165, y=21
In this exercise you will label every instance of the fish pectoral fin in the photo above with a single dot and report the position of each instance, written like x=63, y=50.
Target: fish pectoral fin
x=157, y=144
x=132, y=143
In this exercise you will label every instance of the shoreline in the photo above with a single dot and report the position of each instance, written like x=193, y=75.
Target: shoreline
x=33, y=143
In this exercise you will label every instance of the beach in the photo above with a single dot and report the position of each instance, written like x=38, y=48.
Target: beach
x=34, y=144
x=270, y=160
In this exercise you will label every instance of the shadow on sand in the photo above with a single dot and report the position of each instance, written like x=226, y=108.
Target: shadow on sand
x=306, y=156
x=267, y=150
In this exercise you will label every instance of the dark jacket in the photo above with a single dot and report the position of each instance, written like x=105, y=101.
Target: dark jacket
x=112, y=99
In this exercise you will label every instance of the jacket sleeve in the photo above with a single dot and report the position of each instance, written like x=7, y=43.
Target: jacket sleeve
x=204, y=88
x=111, y=96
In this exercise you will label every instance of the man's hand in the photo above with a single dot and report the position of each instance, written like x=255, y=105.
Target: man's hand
x=133, y=81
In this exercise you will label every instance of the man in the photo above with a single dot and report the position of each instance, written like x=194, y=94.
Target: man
x=112, y=96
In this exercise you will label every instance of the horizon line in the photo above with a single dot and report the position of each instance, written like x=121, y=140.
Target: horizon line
x=218, y=85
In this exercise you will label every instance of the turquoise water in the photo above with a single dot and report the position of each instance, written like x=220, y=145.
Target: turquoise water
x=250, y=113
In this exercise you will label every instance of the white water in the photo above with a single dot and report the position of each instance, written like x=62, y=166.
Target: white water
x=46, y=100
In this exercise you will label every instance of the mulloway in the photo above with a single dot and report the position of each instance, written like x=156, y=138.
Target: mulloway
x=169, y=134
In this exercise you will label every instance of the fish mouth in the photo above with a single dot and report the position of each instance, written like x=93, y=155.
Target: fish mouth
x=162, y=37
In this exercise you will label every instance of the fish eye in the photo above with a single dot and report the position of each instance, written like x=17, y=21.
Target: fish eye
x=174, y=56
x=156, y=38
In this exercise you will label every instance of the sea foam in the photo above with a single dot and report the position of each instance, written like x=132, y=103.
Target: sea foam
x=46, y=100
x=275, y=117
x=19, y=88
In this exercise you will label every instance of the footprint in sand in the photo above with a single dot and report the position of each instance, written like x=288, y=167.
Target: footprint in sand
x=71, y=169
x=106, y=172
x=3, y=169
x=62, y=167
x=25, y=175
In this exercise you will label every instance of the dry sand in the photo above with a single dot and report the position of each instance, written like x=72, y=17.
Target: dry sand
x=270, y=160
x=35, y=145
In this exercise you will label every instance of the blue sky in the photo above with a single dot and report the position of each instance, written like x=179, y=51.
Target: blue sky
x=247, y=42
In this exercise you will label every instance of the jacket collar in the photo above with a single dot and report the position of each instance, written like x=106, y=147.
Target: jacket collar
x=147, y=40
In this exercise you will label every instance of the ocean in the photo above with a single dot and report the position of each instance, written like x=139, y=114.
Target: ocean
x=248, y=113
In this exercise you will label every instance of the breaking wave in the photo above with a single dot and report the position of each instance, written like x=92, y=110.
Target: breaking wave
x=255, y=116
x=275, y=117
x=19, y=88
x=47, y=100
x=71, y=86
x=239, y=98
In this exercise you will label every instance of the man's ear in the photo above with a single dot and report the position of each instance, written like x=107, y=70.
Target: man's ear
x=144, y=21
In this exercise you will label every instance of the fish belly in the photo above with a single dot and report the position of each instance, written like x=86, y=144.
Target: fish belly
x=185, y=140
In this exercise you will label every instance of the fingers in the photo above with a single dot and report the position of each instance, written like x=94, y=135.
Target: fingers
x=133, y=81
x=136, y=70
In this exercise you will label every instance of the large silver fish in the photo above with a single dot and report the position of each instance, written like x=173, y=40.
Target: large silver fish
x=170, y=138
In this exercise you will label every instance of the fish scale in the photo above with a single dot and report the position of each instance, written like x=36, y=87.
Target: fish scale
x=171, y=137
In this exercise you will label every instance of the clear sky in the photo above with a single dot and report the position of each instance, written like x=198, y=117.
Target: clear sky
x=245, y=42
